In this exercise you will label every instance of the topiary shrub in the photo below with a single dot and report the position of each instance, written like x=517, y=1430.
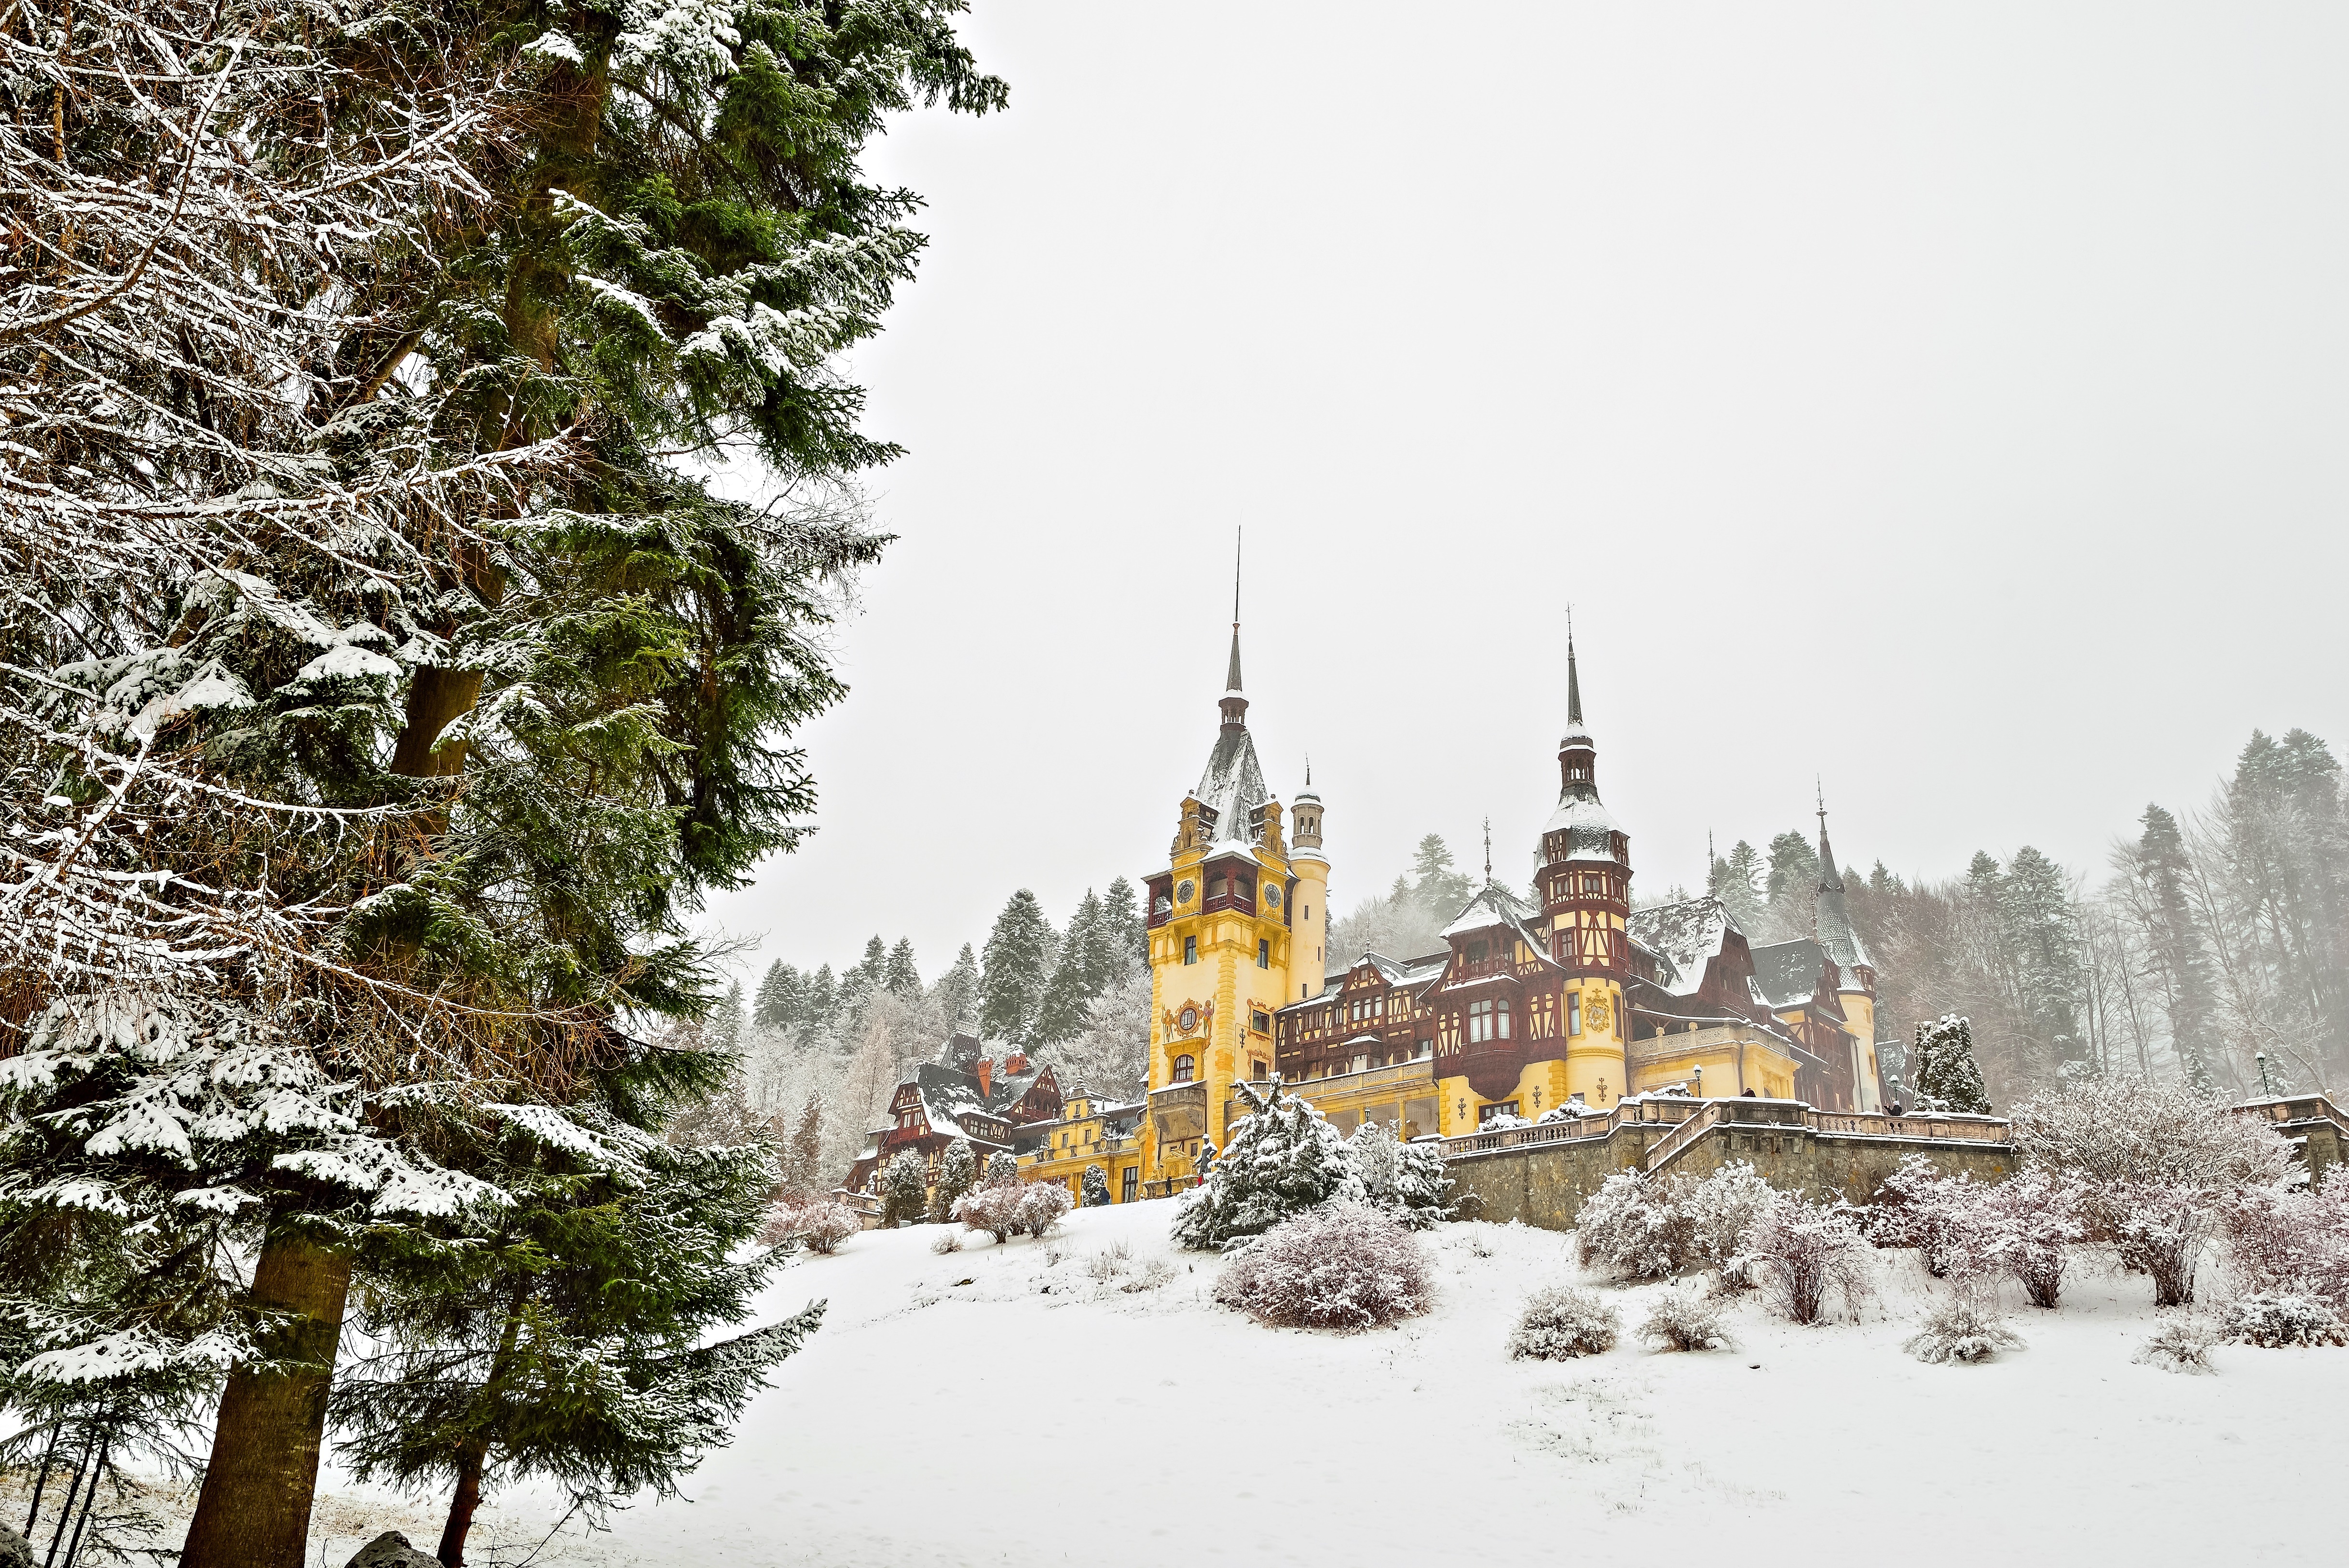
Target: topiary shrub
x=1346, y=1265
x=1561, y=1322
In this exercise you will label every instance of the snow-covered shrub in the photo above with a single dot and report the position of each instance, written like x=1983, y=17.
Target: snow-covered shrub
x=1152, y=1274
x=821, y=1224
x=2272, y=1320
x=2116, y=1134
x=1345, y=1265
x=2180, y=1345
x=1631, y=1229
x=1502, y=1122
x=1569, y=1111
x=1962, y=1328
x=1560, y=1323
x=1042, y=1205
x=1920, y=1206
x=1407, y=1180
x=1111, y=1261
x=1684, y=1319
x=995, y=1209
x=1720, y=1210
x=1805, y=1253
x=1639, y=1227
x=1282, y=1158
x=2294, y=1240
x=1002, y=1170
x=2160, y=1229
x=2025, y=1226
x=948, y=1242
x=958, y=1175
x=1096, y=1182
x=904, y=1189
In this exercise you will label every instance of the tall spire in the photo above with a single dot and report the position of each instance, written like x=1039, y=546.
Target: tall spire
x=1829, y=878
x=1573, y=680
x=1235, y=706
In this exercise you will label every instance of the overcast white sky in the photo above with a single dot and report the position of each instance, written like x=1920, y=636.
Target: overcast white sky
x=1943, y=399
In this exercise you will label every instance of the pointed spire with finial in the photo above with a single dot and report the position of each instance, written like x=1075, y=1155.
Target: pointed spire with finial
x=1235, y=706
x=1573, y=679
x=1488, y=850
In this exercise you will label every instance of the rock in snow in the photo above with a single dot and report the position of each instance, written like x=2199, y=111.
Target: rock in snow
x=391, y=1549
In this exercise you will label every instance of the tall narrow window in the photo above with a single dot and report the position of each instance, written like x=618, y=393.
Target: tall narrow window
x=1263, y=953
x=1574, y=1012
x=1501, y=1019
x=1185, y=1068
x=1190, y=950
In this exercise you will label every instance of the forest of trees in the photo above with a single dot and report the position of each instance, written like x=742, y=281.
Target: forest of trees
x=824, y=1049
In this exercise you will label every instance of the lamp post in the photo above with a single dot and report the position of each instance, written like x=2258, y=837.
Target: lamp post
x=1700, y=1083
x=2265, y=1087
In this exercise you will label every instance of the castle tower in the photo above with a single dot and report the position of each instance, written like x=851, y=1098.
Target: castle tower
x=1309, y=927
x=1586, y=886
x=1222, y=945
x=1831, y=923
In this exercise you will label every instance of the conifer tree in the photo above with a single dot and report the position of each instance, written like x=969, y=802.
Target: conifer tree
x=779, y=995
x=2040, y=929
x=958, y=991
x=1794, y=868
x=1127, y=939
x=1280, y=1159
x=1941, y=1067
x=958, y=1175
x=1002, y=1170
x=2181, y=958
x=391, y=697
x=728, y=1020
x=820, y=998
x=803, y=1156
x=1096, y=1187
x=905, y=1188
x=1014, y=971
x=1739, y=886
x=568, y=1339
x=902, y=979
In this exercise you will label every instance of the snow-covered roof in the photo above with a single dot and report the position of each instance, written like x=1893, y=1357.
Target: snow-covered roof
x=1786, y=974
x=1493, y=907
x=1682, y=936
x=1588, y=826
x=1233, y=788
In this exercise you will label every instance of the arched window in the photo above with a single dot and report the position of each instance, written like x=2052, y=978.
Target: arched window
x=1183, y=1069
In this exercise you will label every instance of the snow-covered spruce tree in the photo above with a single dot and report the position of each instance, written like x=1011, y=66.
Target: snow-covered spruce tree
x=958, y=1175
x=1002, y=1170
x=1096, y=1184
x=569, y=1338
x=1281, y=1159
x=1407, y=1180
x=365, y=666
x=905, y=1188
x=1941, y=1067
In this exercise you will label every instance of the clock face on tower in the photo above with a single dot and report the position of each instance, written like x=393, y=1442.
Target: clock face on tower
x=1272, y=898
x=1184, y=890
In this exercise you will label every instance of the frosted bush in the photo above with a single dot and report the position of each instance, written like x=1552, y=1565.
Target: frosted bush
x=1503, y=1121
x=1561, y=1322
x=948, y=1242
x=1806, y=1253
x=2179, y=1345
x=1153, y=1273
x=1346, y=1265
x=1637, y=1227
x=1964, y=1329
x=1002, y=1170
x=1682, y=1319
x=1110, y=1261
x=2281, y=1239
x=1096, y=1185
x=1042, y=1206
x=2119, y=1134
x=2160, y=1229
x=1920, y=1206
x=2025, y=1226
x=994, y=1208
x=1631, y=1229
x=2273, y=1320
x=820, y=1225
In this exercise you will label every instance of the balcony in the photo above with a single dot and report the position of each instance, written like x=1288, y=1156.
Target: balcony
x=1179, y=1110
x=1419, y=1070
x=1243, y=901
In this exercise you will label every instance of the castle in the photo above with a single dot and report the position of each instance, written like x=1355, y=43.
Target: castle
x=1560, y=1005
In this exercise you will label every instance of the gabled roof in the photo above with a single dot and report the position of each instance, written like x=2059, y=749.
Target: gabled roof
x=1588, y=826
x=1494, y=907
x=1787, y=974
x=1682, y=936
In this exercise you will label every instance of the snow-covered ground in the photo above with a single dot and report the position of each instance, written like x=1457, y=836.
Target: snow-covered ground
x=1002, y=1405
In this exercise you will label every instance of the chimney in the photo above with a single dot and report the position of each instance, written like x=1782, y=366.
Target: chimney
x=1017, y=1062
x=985, y=1068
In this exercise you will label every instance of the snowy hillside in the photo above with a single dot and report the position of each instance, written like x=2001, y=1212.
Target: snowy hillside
x=1007, y=1404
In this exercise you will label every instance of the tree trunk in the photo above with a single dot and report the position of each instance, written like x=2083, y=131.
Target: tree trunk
x=461, y=1506
x=254, y=1509
x=475, y=1454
